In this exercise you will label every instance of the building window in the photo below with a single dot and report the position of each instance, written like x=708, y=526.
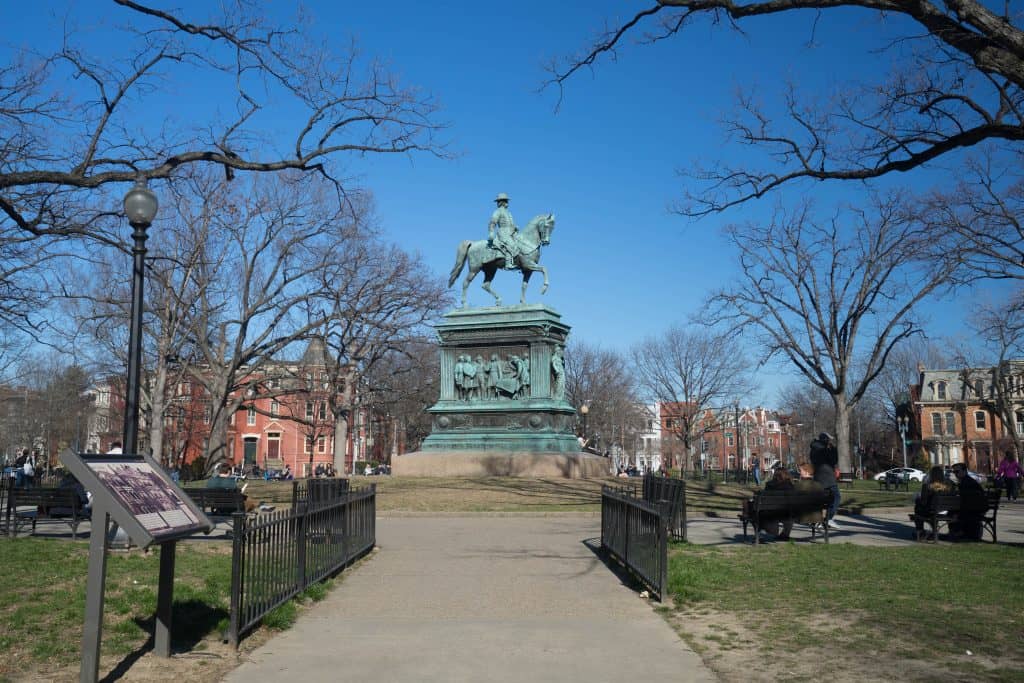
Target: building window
x=207, y=414
x=250, y=417
x=1020, y=422
x=940, y=391
x=950, y=424
x=937, y=424
x=275, y=407
x=306, y=446
x=323, y=410
x=979, y=419
x=309, y=410
x=321, y=445
x=979, y=387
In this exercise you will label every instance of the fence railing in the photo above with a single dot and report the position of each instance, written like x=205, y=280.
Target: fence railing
x=658, y=490
x=277, y=555
x=317, y=491
x=635, y=533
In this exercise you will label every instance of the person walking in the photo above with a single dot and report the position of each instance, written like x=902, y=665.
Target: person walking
x=824, y=459
x=1011, y=474
x=28, y=470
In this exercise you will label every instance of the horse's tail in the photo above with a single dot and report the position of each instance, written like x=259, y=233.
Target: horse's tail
x=460, y=259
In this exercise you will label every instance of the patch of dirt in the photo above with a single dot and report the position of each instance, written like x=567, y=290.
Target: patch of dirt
x=737, y=650
x=207, y=662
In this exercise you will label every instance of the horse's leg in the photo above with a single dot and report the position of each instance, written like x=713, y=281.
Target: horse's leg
x=530, y=266
x=470, y=274
x=489, y=271
x=526, y=281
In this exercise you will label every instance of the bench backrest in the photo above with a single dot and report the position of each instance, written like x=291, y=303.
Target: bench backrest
x=796, y=501
x=950, y=502
x=49, y=497
x=214, y=496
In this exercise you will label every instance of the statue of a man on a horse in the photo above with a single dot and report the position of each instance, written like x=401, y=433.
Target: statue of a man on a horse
x=506, y=247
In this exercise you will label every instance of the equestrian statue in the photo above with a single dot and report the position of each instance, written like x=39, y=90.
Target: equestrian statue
x=506, y=247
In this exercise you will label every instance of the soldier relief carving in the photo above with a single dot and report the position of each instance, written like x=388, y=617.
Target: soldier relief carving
x=490, y=379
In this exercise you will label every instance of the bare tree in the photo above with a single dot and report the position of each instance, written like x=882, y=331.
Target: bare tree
x=376, y=303
x=67, y=152
x=690, y=372
x=984, y=209
x=831, y=299
x=265, y=250
x=1001, y=328
x=603, y=381
x=401, y=386
x=956, y=81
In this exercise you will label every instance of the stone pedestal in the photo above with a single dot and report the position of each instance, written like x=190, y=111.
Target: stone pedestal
x=502, y=408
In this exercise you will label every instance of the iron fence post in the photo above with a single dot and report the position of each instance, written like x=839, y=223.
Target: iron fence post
x=238, y=536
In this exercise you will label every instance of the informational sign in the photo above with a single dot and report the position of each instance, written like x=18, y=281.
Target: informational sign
x=158, y=508
x=139, y=496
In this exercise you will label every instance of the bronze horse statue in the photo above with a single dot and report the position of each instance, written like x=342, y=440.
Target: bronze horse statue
x=480, y=256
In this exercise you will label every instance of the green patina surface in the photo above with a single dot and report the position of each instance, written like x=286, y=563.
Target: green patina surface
x=502, y=384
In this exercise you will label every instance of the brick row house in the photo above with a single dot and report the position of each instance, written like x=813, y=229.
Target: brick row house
x=957, y=415
x=726, y=438
x=285, y=419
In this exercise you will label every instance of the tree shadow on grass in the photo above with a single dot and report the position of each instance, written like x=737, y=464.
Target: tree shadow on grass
x=192, y=621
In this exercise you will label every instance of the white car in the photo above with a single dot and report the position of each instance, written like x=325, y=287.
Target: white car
x=901, y=472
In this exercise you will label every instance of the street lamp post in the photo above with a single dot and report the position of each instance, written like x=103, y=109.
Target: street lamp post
x=140, y=205
x=584, y=409
x=902, y=423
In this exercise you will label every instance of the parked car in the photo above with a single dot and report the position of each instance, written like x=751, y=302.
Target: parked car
x=901, y=472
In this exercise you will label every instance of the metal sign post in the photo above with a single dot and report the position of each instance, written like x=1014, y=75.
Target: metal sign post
x=140, y=497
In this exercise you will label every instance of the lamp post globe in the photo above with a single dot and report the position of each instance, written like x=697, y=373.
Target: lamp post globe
x=140, y=206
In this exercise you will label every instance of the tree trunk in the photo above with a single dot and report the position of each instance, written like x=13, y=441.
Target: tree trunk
x=340, y=440
x=217, y=448
x=157, y=407
x=843, y=412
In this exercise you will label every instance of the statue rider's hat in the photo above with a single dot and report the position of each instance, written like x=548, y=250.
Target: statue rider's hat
x=501, y=197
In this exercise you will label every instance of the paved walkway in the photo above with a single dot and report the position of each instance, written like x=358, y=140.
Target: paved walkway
x=481, y=598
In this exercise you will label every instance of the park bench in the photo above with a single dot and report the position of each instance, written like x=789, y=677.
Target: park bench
x=217, y=501
x=846, y=478
x=56, y=504
x=808, y=507
x=946, y=508
x=893, y=482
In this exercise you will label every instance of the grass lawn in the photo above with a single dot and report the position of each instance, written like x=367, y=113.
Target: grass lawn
x=513, y=494
x=42, y=604
x=865, y=613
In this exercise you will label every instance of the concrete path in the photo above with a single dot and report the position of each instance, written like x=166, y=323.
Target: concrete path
x=479, y=598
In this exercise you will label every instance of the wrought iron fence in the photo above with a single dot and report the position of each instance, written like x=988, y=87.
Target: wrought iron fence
x=317, y=491
x=658, y=490
x=635, y=533
x=277, y=555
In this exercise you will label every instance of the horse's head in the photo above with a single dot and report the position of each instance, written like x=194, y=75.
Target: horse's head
x=545, y=227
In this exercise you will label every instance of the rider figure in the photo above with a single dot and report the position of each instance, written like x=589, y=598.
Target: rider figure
x=501, y=232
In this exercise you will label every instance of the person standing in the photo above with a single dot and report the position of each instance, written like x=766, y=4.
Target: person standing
x=824, y=459
x=1011, y=473
x=28, y=470
x=755, y=466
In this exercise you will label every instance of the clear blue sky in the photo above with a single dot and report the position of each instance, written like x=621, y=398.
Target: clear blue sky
x=622, y=266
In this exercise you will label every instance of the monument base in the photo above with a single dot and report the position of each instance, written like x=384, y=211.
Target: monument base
x=500, y=464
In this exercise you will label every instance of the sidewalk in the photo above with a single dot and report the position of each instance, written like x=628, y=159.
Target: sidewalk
x=479, y=598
